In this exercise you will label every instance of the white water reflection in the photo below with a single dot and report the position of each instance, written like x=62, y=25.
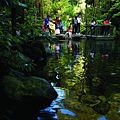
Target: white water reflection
x=50, y=113
x=60, y=105
x=102, y=118
x=68, y=112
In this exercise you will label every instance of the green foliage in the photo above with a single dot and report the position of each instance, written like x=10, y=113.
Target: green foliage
x=31, y=26
x=13, y=58
x=64, y=9
x=114, y=10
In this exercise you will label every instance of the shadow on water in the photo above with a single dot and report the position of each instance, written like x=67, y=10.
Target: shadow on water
x=86, y=75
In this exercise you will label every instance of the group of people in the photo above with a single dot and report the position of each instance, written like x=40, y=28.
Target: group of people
x=76, y=22
x=72, y=29
x=58, y=25
x=75, y=28
x=105, y=27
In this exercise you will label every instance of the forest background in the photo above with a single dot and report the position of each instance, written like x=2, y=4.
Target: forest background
x=65, y=9
x=26, y=17
x=20, y=54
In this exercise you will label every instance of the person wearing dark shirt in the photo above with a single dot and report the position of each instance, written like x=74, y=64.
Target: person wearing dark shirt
x=75, y=22
x=93, y=27
x=106, y=27
x=46, y=23
x=56, y=23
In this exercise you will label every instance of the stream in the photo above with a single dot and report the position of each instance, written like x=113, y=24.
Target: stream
x=86, y=79
x=50, y=113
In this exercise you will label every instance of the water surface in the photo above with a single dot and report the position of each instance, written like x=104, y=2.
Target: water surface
x=90, y=73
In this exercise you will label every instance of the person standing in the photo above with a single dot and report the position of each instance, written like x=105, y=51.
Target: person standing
x=61, y=26
x=79, y=19
x=106, y=27
x=47, y=22
x=57, y=26
x=93, y=27
x=56, y=23
x=75, y=22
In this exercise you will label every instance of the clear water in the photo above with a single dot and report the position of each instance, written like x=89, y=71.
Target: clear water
x=86, y=75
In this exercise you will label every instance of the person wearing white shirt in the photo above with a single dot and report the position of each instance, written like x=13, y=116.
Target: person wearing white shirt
x=79, y=19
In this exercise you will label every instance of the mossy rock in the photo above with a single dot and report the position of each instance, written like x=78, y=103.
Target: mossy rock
x=15, y=88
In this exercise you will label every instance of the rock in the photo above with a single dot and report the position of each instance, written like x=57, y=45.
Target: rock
x=35, y=50
x=39, y=87
x=27, y=96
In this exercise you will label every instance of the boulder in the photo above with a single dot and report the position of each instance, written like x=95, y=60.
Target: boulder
x=39, y=87
x=26, y=96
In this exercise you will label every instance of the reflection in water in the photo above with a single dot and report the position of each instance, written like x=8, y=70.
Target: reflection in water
x=67, y=112
x=50, y=113
x=57, y=51
x=76, y=50
x=92, y=54
x=69, y=45
x=102, y=118
x=91, y=72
